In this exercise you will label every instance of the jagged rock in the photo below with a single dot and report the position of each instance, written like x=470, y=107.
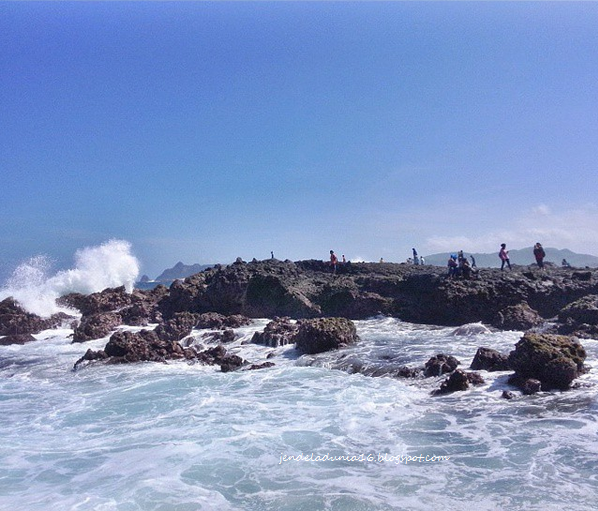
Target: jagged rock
x=15, y=320
x=279, y=332
x=408, y=372
x=324, y=334
x=231, y=363
x=90, y=356
x=220, y=321
x=218, y=355
x=138, y=314
x=440, y=364
x=16, y=339
x=263, y=365
x=580, y=318
x=554, y=360
x=475, y=379
x=141, y=346
x=179, y=326
x=308, y=289
x=490, y=360
x=96, y=326
x=225, y=336
x=518, y=317
x=458, y=381
x=528, y=386
x=110, y=299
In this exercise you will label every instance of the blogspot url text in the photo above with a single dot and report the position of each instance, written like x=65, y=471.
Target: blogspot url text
x=400, y=459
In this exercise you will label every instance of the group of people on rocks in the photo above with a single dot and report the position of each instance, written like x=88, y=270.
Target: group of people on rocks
x=334, y=261
x=417, y=259
x=459, y=265
x=539, y=255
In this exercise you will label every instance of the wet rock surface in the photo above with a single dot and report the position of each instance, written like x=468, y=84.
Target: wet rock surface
x=554, y=360
x=324, y=334
x=490, y=360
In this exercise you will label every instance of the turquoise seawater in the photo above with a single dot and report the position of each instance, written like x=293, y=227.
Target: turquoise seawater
x=305, y=434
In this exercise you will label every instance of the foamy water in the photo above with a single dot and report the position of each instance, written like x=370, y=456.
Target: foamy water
x=188, y=437
x=108, y=265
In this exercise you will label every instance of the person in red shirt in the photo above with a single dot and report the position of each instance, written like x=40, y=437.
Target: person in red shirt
x=333, y=261
x=504, y=256
x=539, y=254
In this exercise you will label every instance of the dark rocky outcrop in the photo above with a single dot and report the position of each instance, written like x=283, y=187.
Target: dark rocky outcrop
x=96, y=326
x=440, y=364
x=223, y=336
x=458, y=381
x=490, y=360
x=220, y=321
x=147, y=346
x=422, y=294
x=263, y=365
x=517, y=317
x=580, y=318
x=324, y=334
x=15, y=320
x=554, y=360
x=16, y=339
x=517, y=299
x=177, y=327
x=279, y=332
x=110, y=299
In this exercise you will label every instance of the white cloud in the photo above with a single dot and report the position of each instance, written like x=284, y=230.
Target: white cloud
x=541, y=210
x=575, y=228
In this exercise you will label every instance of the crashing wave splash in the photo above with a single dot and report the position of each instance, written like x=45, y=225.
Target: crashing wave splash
x=108, y=265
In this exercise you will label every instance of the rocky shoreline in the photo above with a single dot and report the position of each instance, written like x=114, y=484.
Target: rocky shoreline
x=545, y=302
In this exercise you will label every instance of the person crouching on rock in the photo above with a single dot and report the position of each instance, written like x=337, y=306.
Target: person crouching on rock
x=504, y=256
x=539, y=254
x=333, y=261
x=452, y=265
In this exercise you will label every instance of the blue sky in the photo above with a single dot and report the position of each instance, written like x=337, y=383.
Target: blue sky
x=205, y=131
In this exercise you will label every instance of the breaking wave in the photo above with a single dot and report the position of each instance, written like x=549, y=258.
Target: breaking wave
x=108, y=265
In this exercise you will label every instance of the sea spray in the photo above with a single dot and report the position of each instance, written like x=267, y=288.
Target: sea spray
x=108, y=265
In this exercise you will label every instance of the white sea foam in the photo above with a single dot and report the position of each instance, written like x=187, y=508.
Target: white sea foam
x=108, y=265
x=180, y=436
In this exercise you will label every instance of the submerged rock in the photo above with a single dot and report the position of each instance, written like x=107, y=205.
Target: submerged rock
x=440, y=364
x=224, y=336
x=471, y=329
x=279, y=332
x=458, y=381
x=490, y=360
x=324, y=334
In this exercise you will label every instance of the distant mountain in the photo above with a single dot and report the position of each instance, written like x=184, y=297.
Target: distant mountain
x=180, y=271
x=522, y=257
x=168, y=276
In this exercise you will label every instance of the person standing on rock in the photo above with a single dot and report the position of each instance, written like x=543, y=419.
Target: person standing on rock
x=539, y=254
x=504, y=256
x=415, y=257
x=333, y=261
